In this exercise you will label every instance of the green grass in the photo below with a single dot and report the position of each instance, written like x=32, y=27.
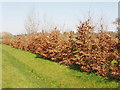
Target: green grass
x=21, y=69
x=0, y=67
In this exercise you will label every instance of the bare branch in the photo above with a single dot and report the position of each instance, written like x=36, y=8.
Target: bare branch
x=32, y=22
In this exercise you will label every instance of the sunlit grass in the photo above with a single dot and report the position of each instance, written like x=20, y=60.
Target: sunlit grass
x=23, y=69
x=0, y=66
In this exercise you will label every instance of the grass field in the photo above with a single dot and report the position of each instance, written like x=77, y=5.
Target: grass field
x=21, y=69
x=0, y=66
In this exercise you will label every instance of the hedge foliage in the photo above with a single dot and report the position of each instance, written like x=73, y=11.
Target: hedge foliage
x=92, y=52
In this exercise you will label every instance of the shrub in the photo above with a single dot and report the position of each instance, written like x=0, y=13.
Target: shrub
x=92, y=52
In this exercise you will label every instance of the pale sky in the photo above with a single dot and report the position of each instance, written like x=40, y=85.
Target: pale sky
x=55, y=13
x=59, y=1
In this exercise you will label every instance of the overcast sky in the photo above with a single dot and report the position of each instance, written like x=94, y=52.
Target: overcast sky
x=56, y=13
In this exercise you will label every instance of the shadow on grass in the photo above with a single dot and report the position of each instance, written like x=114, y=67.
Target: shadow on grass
x=109, y=79
x=77, y=68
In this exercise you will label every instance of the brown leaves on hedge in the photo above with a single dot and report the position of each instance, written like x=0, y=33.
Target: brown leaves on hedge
x=92, y=52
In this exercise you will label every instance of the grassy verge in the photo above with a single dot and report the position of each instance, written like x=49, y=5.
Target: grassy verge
x=0, y=67
x=23, y=69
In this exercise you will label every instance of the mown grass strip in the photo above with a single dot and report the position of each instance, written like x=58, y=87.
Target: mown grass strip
x=44, y=73
x=0, y=66
x=31, y=74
